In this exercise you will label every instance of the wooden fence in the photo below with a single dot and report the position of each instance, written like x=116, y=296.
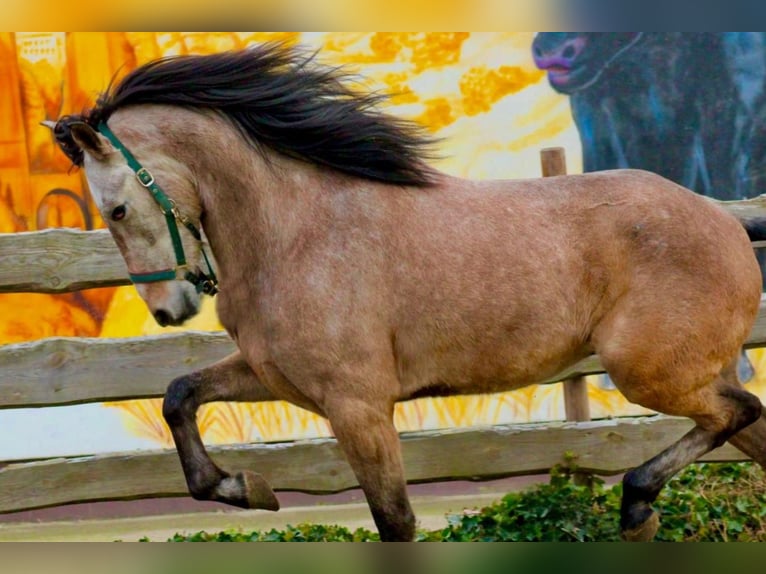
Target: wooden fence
x=66, y=371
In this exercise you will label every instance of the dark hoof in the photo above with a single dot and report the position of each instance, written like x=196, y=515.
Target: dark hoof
x=643, y=532
x=257, y=491
x=246, y=489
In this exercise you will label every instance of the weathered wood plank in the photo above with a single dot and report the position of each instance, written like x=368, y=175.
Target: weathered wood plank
x=70, y=370
x=63, y=260
x=602, y=447
x=59, y=261
x=64, y=370
x=753, y=207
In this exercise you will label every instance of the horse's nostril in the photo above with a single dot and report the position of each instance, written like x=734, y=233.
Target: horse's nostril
x=162, y=318
x=569, y=52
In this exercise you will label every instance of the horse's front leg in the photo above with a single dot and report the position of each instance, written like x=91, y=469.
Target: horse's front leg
x=366, y=433
x=231, y=379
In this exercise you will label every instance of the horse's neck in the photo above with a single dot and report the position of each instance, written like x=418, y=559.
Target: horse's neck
x=255, y=209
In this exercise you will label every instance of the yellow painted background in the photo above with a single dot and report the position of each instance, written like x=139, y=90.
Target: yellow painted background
x=480, y=92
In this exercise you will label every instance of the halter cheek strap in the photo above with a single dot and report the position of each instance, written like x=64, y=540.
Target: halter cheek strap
x=203, y=282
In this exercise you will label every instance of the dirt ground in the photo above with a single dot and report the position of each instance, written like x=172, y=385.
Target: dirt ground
x=160, y=519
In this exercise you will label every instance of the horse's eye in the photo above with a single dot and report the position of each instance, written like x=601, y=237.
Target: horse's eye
x=118, y=213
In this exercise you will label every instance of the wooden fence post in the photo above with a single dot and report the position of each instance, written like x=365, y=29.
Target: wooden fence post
x=576, y=407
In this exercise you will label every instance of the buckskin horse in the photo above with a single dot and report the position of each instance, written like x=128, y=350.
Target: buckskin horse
x=352, y=275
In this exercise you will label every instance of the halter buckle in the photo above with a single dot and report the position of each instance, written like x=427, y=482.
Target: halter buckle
x=202, y=282
x=172, y=211
x=145, y=177
x=209, y=287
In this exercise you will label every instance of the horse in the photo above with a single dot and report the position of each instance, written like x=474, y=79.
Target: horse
x=352, y=274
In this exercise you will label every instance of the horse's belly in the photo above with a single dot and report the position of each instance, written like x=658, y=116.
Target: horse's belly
x=479, y=372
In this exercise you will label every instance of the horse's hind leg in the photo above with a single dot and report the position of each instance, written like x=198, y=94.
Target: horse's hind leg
x=228, y=380
x=720, y=410
x=366, y=433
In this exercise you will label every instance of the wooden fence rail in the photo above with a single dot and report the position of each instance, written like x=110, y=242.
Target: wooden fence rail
x=317, y=465
x=71, y=370
x=65, y=371
x=59, y=261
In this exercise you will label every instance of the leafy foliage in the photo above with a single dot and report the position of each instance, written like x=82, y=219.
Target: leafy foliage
x=300, y=533
x=705, y=502
x=556, y=512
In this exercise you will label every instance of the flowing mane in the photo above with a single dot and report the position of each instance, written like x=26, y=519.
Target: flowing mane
x=280, y=97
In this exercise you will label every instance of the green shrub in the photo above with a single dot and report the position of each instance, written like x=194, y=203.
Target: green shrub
x=299, y=533
x=705, y=502
x=558, y=511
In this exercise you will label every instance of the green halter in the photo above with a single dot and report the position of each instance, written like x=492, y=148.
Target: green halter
x=204, y=283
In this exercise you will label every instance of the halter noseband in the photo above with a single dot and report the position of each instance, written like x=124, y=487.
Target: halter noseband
x=203, y=283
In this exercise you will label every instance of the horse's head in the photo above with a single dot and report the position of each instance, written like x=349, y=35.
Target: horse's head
x=575, y=60
x=149, y=202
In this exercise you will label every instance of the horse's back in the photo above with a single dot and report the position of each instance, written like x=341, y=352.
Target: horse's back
x=640, y=223
x=615, y=230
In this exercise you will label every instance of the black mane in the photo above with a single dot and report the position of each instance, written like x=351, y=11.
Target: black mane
x=280, y=97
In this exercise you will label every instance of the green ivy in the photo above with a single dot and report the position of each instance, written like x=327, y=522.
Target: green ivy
x=299, y=533
x=705, y=502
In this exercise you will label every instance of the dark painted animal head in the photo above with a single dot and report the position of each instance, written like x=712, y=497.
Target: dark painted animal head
x=576, y=60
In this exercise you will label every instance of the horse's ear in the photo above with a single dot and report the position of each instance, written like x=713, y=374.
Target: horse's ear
x=91, y=142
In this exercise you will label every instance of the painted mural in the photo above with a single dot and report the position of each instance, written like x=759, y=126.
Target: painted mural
x=485, y=95
x=687, y=105
x=690, y=106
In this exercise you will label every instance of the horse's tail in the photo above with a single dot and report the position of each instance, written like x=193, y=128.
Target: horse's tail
x=754, y=225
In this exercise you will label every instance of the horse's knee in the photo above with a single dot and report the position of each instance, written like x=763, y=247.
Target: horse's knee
x=178, y=403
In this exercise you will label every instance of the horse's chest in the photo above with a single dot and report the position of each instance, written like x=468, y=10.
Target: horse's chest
x=227, y=316
x=244, y=322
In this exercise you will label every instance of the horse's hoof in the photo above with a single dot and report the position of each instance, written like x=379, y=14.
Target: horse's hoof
x=247, y=489
x=644, y=532
x=258, y=492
